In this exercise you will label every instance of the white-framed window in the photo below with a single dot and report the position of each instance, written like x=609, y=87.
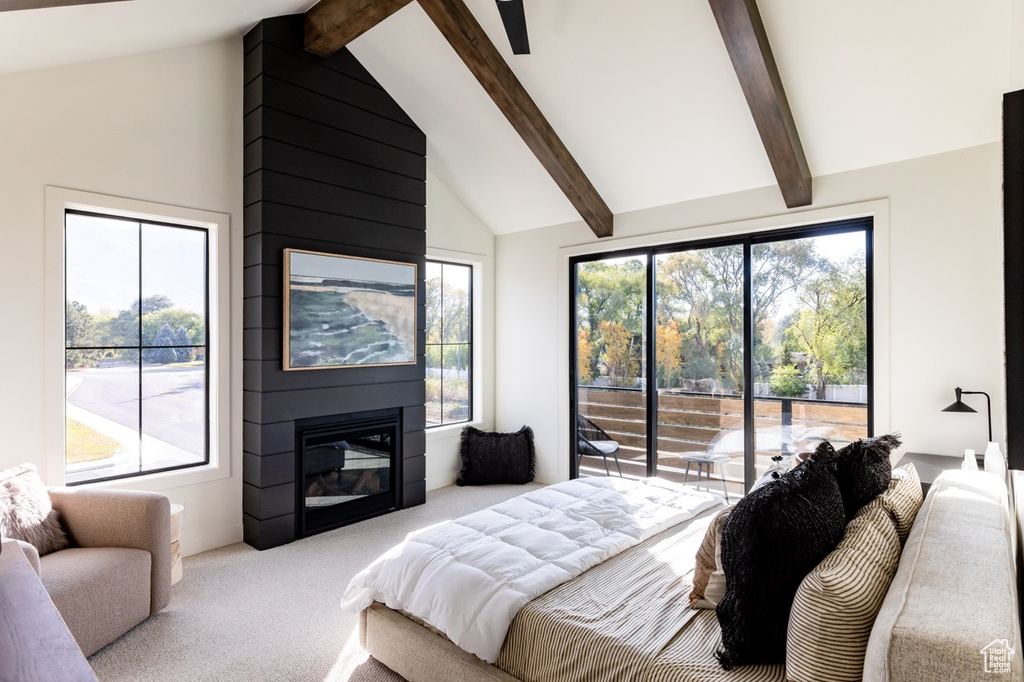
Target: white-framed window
x=137, y=340
x=449, y=345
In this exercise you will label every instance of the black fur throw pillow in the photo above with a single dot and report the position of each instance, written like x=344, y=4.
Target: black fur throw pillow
x=496, y=457
x=773, y=538
x=863, y=470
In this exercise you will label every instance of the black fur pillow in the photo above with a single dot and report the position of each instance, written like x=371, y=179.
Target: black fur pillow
x=862, y=469
x=773, y=538
x=496, y=457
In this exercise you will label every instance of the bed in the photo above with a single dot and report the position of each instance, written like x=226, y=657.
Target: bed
x=628, y=617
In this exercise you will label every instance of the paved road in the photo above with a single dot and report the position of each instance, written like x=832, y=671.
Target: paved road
x=173, y=408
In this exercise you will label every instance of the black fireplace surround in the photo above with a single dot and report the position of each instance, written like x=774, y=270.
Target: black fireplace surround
x=331, y=164
x=349, y=468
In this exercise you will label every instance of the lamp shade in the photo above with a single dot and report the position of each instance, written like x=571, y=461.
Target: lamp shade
x=959, y=405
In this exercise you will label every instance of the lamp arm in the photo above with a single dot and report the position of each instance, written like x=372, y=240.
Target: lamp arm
x=988, y=401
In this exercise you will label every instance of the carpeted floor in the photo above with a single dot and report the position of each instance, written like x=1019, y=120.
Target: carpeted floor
x=242, y=614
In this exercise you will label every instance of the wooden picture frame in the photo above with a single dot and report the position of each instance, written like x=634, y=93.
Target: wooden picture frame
x=347, y=311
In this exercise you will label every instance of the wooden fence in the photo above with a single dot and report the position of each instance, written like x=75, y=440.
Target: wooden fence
x=700, y=424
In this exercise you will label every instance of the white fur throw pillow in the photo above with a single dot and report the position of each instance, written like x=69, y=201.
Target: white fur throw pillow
x=25, y=511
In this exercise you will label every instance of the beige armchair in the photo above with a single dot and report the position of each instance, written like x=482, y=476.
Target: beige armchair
x=116, y=572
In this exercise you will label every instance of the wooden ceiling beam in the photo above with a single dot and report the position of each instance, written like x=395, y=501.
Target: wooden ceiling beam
x=747, y=43
x=458, y=25
x=12, y=5
x=333, y=24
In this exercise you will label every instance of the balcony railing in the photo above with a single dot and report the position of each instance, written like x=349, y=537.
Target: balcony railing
x=695, y=426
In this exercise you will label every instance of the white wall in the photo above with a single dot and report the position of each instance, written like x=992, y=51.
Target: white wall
x=164, y=127
x=454, y=231
x=944, y=296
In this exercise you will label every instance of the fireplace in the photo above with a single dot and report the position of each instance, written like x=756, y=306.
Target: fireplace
x=348, y=469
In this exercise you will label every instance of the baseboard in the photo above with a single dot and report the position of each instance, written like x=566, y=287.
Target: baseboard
x=441, y=481
x=547, y=476
x=195, y=544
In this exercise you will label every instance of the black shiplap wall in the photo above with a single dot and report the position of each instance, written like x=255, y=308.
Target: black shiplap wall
x=332, y=164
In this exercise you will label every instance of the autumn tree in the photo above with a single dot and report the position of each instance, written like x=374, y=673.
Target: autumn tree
x=621, y=356
x=584, y=353
x=613, y=292
x=669, y=351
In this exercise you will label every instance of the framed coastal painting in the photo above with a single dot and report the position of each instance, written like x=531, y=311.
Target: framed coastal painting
x=344, y=311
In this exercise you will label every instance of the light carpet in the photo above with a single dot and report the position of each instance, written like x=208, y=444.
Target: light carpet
x=243, y=614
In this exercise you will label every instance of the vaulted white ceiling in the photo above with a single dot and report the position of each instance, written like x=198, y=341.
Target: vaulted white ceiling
x=642, y=93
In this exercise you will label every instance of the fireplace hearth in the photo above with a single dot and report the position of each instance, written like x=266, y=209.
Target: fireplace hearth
x=348, y=469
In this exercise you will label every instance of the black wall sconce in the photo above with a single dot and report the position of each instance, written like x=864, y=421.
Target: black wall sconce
x=961, y=406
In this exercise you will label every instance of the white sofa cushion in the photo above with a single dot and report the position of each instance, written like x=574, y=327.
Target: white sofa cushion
x=954, y=593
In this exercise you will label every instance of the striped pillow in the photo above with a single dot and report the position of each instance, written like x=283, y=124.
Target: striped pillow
x=708, y=576
x=837, y=602
x=903, y=498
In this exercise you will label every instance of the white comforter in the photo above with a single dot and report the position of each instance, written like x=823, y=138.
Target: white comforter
x=469, y=577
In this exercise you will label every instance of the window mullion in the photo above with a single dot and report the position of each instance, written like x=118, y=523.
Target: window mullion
x=140, y=349
x=440, y=362
x=652, y=370
x=749, y=436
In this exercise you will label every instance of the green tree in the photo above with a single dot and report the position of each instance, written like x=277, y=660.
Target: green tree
x=701, y=367
x=163, y=354
x=703, y=289
x=831, y=327
x=78, y=326
x=447, y=318
x=124, y=327
x=788, y=382
x=192, y=322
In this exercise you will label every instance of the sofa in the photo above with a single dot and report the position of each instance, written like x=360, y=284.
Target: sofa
x=953, y=601
x=116, y=570
x=951, y=611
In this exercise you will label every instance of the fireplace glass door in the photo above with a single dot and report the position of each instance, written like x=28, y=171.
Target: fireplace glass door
x=347, y=474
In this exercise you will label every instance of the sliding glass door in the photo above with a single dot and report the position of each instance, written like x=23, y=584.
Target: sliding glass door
x=757, y=348
x=700, y=369
x=810, y=345
x=611, y=365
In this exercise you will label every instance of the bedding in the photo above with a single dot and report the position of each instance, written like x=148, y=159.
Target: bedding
x=627, y=620
x=500, y=558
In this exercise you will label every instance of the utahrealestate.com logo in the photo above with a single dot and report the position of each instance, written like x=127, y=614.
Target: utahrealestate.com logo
x=997, y=656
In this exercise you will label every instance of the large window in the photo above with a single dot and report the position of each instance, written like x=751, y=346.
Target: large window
x=715, y=361
x=449, y=347
x=136, y=329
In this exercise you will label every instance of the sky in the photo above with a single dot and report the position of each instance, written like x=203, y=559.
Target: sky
x=364, y=270
x=102, y=263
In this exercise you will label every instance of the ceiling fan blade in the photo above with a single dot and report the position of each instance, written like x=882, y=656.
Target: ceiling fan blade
x=513, y=15
x=11, y=5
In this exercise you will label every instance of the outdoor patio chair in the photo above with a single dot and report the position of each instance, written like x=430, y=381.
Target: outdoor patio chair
x=592, y=440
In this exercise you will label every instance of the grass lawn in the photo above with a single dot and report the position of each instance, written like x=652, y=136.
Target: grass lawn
x=83, y=444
